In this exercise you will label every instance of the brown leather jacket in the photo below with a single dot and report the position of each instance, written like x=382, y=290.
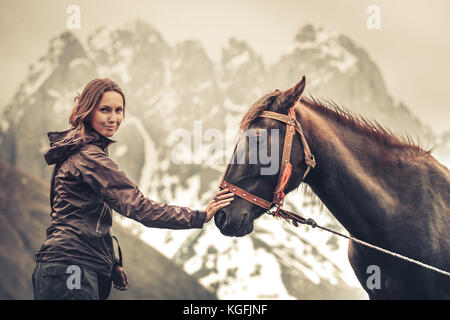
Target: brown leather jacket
x=86, y=185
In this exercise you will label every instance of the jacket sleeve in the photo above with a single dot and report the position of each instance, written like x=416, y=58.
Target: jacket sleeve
x=121, y=194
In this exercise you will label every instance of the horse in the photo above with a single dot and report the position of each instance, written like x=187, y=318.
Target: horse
x=383, y=189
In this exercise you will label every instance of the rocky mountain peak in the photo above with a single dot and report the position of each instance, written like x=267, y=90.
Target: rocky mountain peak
x=308, y=33
x=243, y=73
x=143, y=29
x=64, y=48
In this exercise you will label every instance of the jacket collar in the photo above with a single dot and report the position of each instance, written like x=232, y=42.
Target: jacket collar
x=96, y=138
x=64, y=143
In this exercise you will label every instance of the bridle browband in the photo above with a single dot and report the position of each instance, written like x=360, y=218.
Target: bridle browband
x=292, y=126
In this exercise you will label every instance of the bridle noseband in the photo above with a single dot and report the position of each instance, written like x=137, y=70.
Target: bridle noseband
x=292, y=126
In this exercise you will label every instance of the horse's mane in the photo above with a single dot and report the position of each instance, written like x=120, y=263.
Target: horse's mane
x=372, y=128
x=343, y=115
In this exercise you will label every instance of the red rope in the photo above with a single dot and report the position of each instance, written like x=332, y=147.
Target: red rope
x=283, y=181
x=279, y=192
x=284, y=178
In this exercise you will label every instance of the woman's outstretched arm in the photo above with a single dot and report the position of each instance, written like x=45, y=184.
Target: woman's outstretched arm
x=100, y=172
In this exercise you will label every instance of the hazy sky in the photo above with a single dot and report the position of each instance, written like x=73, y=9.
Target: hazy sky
x=412, y=48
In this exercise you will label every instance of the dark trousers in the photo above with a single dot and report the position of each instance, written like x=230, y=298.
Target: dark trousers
x=58, y=281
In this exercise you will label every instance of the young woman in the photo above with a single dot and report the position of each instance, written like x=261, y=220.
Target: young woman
x=77, y=260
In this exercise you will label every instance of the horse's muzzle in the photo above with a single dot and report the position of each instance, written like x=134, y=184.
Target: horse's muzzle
x=229, y=227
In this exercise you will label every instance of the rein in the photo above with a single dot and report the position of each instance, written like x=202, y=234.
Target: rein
x=293, y=126
x=295, y=218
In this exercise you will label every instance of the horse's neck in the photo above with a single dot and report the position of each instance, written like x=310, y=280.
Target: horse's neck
x=354, y=173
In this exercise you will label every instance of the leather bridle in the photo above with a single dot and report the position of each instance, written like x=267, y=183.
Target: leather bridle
x=292, y=126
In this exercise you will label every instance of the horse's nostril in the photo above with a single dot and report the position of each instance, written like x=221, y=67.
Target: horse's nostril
x=219, y=218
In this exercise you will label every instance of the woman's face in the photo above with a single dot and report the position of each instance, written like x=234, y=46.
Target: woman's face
x=108, y=115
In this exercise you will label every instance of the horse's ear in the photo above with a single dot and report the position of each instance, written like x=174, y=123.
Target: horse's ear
x=291, y=95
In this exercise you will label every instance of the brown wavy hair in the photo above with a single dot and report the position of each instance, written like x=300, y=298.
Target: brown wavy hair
x=90, y=98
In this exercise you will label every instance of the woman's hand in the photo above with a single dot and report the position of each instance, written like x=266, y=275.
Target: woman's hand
x=220, y=200
x=120, y=278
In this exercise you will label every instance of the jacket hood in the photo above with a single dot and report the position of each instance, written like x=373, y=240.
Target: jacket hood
x=64, y=143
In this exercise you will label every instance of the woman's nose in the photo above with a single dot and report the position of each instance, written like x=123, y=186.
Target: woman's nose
x=112, y=118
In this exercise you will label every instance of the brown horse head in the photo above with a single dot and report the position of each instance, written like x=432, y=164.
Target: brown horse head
x=256, y=162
